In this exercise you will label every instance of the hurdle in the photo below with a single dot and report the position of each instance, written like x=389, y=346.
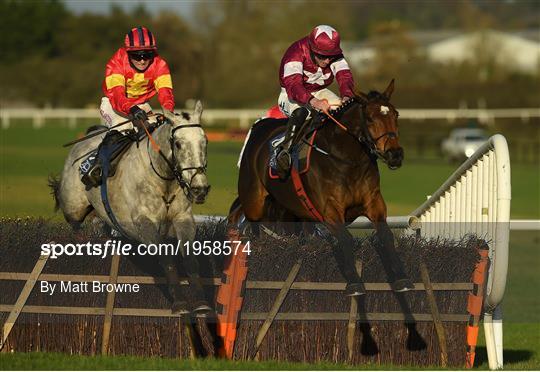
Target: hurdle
x=475, y=199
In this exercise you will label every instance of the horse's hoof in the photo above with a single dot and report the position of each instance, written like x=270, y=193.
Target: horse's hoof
x=180, y=307
x=369, y=346
x=415, y=342
x=355, y=289
x=402, y=285
x=202, y=309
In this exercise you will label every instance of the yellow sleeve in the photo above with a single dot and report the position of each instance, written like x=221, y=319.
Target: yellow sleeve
x=115, y=80
x=163, y=81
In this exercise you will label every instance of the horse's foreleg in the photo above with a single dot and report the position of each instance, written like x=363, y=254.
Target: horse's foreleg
x=343, y=252
x=414, y=339
x=185, y=233
x=150, y=233
x=376, y=212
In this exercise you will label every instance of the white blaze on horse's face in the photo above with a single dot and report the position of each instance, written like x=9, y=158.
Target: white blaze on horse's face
x=385, y=110
x=190, y=147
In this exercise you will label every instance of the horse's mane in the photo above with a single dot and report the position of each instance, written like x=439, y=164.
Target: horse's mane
x=340, y=110
x=373, y=94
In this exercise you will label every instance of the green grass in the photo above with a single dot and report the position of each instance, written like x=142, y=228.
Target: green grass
x=522, y=352
x=521, y=347
x=28, y=156
x=522, y=302
x=55, y=361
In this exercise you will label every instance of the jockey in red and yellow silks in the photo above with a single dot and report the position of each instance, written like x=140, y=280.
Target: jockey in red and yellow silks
x=133, y=75
x=126, y=87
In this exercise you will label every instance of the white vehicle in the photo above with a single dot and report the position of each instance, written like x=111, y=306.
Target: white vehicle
x=462, y=143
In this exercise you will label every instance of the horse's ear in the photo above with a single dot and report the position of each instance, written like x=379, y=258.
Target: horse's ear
x=389, y=90
x=198, y=109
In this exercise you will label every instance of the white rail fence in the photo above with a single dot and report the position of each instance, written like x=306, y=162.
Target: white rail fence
x=476, y=200
x=244, y=117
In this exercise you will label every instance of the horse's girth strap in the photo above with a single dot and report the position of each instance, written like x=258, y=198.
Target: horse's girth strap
x=302, y=195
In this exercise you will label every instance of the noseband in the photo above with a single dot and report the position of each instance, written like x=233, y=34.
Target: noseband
x=371, y=143
x=178, y=173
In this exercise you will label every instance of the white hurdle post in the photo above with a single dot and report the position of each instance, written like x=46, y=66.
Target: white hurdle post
x=476, y=200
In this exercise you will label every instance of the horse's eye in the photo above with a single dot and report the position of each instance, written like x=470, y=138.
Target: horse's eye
x=177, y=145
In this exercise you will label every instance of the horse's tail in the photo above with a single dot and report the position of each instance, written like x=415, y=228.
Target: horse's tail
x=54, y=184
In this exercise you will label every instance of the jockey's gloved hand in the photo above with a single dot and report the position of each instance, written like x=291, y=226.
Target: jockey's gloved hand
x=138, y=116
x=137, y=113
x=320, y=104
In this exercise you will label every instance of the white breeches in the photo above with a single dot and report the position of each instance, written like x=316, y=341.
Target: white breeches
x=287, y=106
x=110, y=117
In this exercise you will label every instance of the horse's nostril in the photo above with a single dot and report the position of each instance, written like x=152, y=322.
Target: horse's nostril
x=396, y=153
x=200, y=191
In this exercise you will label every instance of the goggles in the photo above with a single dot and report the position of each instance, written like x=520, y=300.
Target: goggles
x=323, y=57
x=141, y=55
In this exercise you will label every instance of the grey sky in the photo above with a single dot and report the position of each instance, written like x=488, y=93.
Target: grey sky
x=183, y=7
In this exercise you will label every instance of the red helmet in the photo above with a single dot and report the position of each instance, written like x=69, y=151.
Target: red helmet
x=324, y=40
x=140, y=38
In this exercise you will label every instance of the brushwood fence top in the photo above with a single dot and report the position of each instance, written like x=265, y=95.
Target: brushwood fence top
x=244, y=117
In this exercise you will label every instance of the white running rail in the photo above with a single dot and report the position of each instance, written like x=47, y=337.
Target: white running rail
x=476, y=200
x=245, y=117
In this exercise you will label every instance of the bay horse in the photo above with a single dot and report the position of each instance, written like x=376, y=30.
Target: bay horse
x=343, y=181
x=151, y=195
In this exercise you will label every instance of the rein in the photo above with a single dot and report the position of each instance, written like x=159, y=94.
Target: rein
x=370, y=143
x=172, y=164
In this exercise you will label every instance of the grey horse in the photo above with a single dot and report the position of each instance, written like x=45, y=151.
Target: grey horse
x=150, y=195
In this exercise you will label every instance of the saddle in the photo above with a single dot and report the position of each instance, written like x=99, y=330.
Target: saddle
x=300, y=153
x=110, y=150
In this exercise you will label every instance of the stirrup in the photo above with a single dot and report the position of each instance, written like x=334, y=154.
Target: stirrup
x=283, y=169
x=90, y=170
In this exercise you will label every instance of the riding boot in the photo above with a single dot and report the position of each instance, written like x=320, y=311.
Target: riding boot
x=90, y=168
x=294, y=126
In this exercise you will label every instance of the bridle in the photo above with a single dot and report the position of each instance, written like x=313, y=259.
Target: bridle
x=172, y=164
x=364, y=137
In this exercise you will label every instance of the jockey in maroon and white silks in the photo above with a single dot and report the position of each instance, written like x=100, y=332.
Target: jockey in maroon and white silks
x=307, y=69
x=300, y=76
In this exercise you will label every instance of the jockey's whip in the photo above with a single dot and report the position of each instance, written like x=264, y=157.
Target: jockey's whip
x=327, y=113
x=97, y=133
